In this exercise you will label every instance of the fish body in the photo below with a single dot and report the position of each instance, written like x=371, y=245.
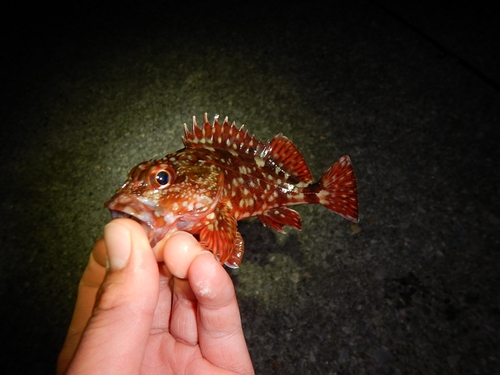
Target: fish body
x=223, y=175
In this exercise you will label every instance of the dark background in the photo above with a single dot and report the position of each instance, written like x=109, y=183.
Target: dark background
x=410, y=92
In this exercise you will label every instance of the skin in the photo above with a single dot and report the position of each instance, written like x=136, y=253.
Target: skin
x=137, y=318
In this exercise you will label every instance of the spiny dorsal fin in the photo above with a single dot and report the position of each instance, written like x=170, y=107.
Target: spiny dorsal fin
x=279, y=153
x=221, y=137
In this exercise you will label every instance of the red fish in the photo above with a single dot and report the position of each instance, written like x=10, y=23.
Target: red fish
x=224, y=175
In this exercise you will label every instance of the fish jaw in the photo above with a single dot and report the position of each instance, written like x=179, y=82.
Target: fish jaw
x=156, y=221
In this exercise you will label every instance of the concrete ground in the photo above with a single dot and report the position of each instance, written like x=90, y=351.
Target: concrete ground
x=411, y=94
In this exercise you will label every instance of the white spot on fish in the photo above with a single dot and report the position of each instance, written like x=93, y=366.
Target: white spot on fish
x=169, y=218
x=260, y=162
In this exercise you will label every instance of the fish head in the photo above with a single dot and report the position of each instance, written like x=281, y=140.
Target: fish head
x=164, y=196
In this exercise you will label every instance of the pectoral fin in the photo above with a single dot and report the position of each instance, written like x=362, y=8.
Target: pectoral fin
x=221, y=236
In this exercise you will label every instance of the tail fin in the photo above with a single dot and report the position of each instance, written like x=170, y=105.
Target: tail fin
x=338, y=190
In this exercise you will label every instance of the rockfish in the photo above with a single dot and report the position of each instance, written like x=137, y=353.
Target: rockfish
x=223, y=175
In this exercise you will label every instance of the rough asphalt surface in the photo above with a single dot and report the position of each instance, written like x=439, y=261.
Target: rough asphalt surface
x=89, y=93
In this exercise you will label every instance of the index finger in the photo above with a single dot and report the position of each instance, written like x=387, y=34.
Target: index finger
x=87, y=290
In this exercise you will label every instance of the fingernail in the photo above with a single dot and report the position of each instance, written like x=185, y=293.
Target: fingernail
x=119, y=245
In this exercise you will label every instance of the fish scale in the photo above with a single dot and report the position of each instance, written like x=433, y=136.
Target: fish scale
x=223, y=175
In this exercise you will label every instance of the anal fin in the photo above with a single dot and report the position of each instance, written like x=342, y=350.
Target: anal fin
x=278, y=217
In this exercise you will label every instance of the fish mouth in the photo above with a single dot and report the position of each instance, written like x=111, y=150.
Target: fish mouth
x=146, y=226
x=131, y=207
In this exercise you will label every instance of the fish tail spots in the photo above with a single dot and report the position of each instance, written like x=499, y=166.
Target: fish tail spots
x=337, y=189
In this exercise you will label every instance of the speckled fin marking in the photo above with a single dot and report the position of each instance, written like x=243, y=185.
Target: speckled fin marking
x=220, y=234
x=288, y=158
x=338, y=189
x=221, y=137
x=278, y=217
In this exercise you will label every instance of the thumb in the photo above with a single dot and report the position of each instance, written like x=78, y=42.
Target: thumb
x=117, y=332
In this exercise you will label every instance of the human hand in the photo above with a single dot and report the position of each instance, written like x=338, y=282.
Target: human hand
x=138, y=318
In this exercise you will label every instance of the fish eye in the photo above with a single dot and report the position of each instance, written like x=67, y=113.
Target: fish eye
x=162, y=178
